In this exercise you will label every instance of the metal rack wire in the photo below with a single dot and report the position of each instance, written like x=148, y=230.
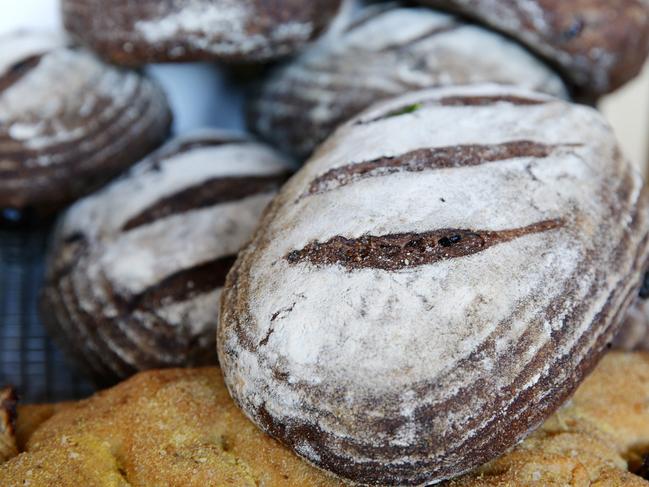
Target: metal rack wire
x=29, y=360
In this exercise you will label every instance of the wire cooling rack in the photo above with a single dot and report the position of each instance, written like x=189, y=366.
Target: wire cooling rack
x=29, y=360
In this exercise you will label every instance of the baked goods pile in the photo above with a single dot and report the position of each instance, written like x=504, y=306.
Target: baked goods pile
x=180, y=427
x=423, y=302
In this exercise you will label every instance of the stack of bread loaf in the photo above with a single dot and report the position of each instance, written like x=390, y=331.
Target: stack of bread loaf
x=422, y=302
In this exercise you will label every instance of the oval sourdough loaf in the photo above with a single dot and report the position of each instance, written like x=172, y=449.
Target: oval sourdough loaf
x=435, y=281
x=180, y=427
x=135, y=271
x=136, y=33
x=598, y=44
x=388, y=50
x=69, y=122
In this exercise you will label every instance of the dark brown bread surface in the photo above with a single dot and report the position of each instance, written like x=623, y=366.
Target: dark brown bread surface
x=179, y=428
x=434, y=282
x=598, y=44
x=388, y=50
x=136, y=33
x=70, y=123
x=135, y=271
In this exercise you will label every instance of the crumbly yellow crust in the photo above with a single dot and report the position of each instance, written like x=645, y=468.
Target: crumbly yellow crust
x=162, y=428
x=180, y=428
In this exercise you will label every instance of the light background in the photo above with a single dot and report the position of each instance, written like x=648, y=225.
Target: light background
x=202, y=96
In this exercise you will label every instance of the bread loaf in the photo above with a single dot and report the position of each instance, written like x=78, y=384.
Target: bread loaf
x=136, y=33
x=69, y=122
x=598, y=44
x=434, y=283
x=135, y=271
x=388, y=50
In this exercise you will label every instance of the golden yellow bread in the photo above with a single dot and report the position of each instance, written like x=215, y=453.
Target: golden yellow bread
x=163, y=428
x=180, y=428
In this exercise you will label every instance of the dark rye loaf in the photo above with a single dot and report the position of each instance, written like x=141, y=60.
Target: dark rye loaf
x=69, y=122
x=145, y=31
x=434, y=282
x=135, y=271
x=598, y=44
x=387, y=51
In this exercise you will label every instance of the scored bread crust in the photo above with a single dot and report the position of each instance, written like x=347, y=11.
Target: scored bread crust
x=134, y=271
x=386, y=51
x=70, y=122
x=599, y=45
x=137, y=33
x=434, y=282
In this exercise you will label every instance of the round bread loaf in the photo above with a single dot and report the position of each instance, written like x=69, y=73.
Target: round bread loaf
x=435, y=281
x=129, y=436
x=135, y=271
x=389, y=50
x=68, y=122
x=598, y=44
x=136, y=33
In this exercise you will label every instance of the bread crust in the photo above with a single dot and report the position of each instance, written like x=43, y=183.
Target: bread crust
x=180, y=427
x=597, y=44
x=70, y=122
x=146, y=31
x=342, y=338
x=596, y=439
x=387, y=50
x=135, y=271
x=175, y=427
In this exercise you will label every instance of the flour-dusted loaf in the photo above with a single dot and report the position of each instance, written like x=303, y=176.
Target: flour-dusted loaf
x=69, y=122
x=435, y=281
x=598, y=44
x=139, y=32
x=135, y=271
x=389, y=50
